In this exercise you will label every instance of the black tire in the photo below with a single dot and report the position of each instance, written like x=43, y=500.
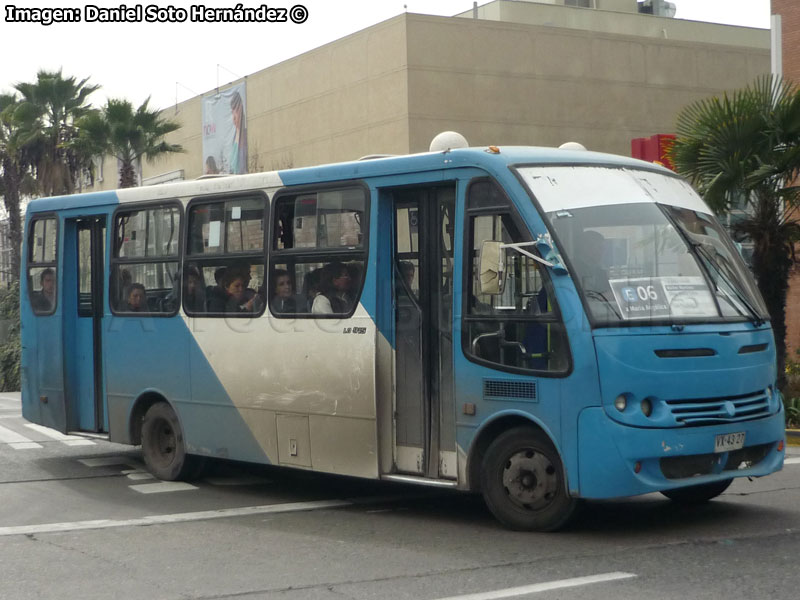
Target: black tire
x=163, y=447
x=522, y=480
x=698, y=494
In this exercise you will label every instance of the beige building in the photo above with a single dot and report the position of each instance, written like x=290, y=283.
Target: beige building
x=508, y=72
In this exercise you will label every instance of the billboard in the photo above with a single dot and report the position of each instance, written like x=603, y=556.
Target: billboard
x=225, y=131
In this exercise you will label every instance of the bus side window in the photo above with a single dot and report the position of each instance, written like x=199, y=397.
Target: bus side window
x=520, y=328
x=318, y=256
x=144, y=277
x=42, y=266
x=224, y=272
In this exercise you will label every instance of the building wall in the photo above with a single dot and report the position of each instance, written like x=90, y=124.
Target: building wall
x=499, y=82
x=789, y=10
x=790, y=32
x=620, y=18
x=393, y=86
x=339, y=102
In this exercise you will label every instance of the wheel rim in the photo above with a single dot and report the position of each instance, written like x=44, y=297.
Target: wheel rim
x=165, y=441
x=530, y=479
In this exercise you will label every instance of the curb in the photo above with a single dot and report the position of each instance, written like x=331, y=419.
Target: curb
x=793, y=437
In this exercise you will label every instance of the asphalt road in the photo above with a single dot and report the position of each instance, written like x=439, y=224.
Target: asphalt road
x=79, y=518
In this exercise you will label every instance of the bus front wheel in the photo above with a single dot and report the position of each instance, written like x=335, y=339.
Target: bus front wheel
x=522, y=480
x=697, y=494
x=162, y=444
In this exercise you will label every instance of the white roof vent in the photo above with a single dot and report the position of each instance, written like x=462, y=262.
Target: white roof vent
x=448, y=140
x=572, y=146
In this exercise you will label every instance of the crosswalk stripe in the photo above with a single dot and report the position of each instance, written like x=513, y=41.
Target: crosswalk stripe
x=163, y=486
x=24, y=445
x=68, y=440
x=15, y=440
x=794, y=460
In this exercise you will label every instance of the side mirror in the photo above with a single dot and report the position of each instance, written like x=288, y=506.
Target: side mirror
x=492, y=261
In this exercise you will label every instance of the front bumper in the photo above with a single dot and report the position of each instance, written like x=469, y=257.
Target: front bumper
x=608, y=452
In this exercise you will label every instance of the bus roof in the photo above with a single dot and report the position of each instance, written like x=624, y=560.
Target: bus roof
x=492, y=158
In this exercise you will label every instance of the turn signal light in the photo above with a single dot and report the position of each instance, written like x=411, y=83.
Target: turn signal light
x=637, y=468
x=780, y=446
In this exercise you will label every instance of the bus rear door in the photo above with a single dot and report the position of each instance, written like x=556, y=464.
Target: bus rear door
x=83, y=286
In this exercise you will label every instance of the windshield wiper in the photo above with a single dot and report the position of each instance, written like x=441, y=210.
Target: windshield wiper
x=595, y=294
x=729, y=280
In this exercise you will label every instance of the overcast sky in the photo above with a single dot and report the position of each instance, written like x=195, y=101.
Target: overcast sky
x=169, y=60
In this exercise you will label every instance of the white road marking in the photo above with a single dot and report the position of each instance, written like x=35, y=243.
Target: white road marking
x=138, y=475
x=543, y=587
x=69, y=440
x=794, y=460
x=25, y=445
x=163, y=486
x=15, y=440
x=110, y=461
x=206, y=515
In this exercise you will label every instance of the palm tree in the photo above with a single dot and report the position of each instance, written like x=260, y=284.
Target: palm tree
x=12, y=170
x=128, y=135
x=743, y=151
x=47, y=115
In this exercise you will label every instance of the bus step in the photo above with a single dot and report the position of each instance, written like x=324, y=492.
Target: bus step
x=420, y=480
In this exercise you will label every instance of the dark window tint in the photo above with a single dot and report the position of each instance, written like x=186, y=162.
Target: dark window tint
x=42, y=265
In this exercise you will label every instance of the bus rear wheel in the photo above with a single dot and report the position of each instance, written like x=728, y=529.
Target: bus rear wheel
x=697, y=494
x=163, y=447
x=522, y=480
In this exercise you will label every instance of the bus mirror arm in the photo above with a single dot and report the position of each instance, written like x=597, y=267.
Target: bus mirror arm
x=552, y=259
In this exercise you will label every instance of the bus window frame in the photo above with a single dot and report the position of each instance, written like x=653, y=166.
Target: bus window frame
x=594, y=323
x=324, y=255
x=114, y=260
x=30, y=264
x=509, y=209
x=224, y=256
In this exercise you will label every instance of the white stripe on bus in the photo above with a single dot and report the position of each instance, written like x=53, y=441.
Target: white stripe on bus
x=68, y=440
x=15, y=440
x=543, y=587
x=206, y=515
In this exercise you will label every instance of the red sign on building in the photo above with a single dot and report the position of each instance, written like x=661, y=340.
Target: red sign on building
x=654, y=149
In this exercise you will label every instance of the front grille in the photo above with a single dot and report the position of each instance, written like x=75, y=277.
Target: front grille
x=503, y=389
x=706, y=411
x=683, y=467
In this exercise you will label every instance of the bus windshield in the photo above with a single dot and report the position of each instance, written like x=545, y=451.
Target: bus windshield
x=643, y=247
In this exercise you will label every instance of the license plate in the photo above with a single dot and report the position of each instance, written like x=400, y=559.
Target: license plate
x=729, y=441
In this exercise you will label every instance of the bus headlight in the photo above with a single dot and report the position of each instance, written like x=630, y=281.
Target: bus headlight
x=621, y=403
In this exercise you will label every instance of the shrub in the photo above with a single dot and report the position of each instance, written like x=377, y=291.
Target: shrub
x=10, y=347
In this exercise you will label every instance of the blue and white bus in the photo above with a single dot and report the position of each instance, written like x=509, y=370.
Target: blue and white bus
x=535, y=324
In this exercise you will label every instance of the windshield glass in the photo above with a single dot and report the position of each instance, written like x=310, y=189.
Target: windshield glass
x=643, y=247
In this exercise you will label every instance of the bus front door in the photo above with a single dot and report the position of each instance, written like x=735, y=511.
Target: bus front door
x=424, y=419
x=84, y=252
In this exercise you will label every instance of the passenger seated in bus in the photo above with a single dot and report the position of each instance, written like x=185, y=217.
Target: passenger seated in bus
x=215, y=294
x=234, y=287
x=137, y=298
x=194, y=295
x=283, y=300
x=336, y=288
x=45, y=299
x=311, y=288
